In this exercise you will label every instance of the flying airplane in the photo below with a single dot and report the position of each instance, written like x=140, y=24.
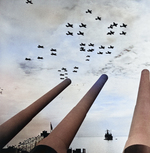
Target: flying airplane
x=88, y=56
x=82, y=44
x=110, y=33
x=29, y=1
x=87, y=60
x=39, y=46
x=115, y=24
x=64, y=69
x=89, y=11
x=111, y=47
x=123, y=25
x=91, y=44
x=62, y=78
x=39, y=57
x=61, y=74
x=108, y=52
x=74, y=71
x=76, y=67
x=28, y=59
x=54, y=50
x=69, y=33
x=123, y=33
x=110, y=27
x=82, y=25
x=90, y=50
x=69, y=25
x=102, y=47
x=81, y=33
x=98, y=18
x=54, y=54
x=82, y=49
x=100, y=53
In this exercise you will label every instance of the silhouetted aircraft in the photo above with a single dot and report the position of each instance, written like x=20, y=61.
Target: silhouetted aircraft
x=89, y=11
x=54, y=54
x=54, y=50
x=87, y=60
x=61, y=78
x=102, y=47
x=28, y=59
x=98, y=18
x=66, y=73
x=108, y=52
x=88, y=56
x=123, y=25
x=61, y=74
x=111, y=47
x=80, y=33
x=69, y=25
x=76, y=67
x=90, y=50
x=100, y=53
x=74, y=71
x=82, y=44
x=29, y=1
x=39, y=46
x=123, y=33
x=39, y=57
x=82, y=25
x=82, y=49
x=59, y=70
x=69, y=33
x=91, y=44
x=115, y=24
x=64, y=69
x=110, y=27
x=110, y=33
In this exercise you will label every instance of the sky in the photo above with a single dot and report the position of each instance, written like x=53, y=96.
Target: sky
x=25, y=26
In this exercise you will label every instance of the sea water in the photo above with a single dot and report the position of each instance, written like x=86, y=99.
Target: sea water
x=99, y=145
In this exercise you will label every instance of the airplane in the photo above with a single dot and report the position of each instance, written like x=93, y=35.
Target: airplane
x=111, y=47
x=74, y=71
x=87, y=60
x=54, y=50
x=64, y=69
x=82, y=49
x=115, y=24
x=102, y=47
x=82, y=25
x=54, y=54
x=61, y=74
x=110, y=33
x=91, y=44
x=39, y=57
x=88, y=56
x=59, y=70
x=28, y=59
x=39, y=46
x=29, y=1
x=90, y=50
x=89, y=11
x=98, y=18
x=69, y=25
x=123, y=33
x=66, y=73
x=100, y=53
x=69, y=33
x=62, y=78
x=123, y=25
x=76, y=67
x=108, y=52
x=82, y=44
x=110, y=27
x=81, y=33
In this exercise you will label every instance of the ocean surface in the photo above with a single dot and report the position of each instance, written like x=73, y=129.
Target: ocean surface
x=99, y=145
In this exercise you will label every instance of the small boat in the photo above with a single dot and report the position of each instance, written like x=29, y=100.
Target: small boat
x=108, y=135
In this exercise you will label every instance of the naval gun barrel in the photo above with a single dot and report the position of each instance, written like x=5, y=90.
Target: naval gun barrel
x=59, y=140
x=15, y=124
x=139, y=135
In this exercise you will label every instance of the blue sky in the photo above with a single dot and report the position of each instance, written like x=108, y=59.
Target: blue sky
x=25, y=26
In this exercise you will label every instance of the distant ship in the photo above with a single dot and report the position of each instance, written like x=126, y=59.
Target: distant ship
x=108, y=135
